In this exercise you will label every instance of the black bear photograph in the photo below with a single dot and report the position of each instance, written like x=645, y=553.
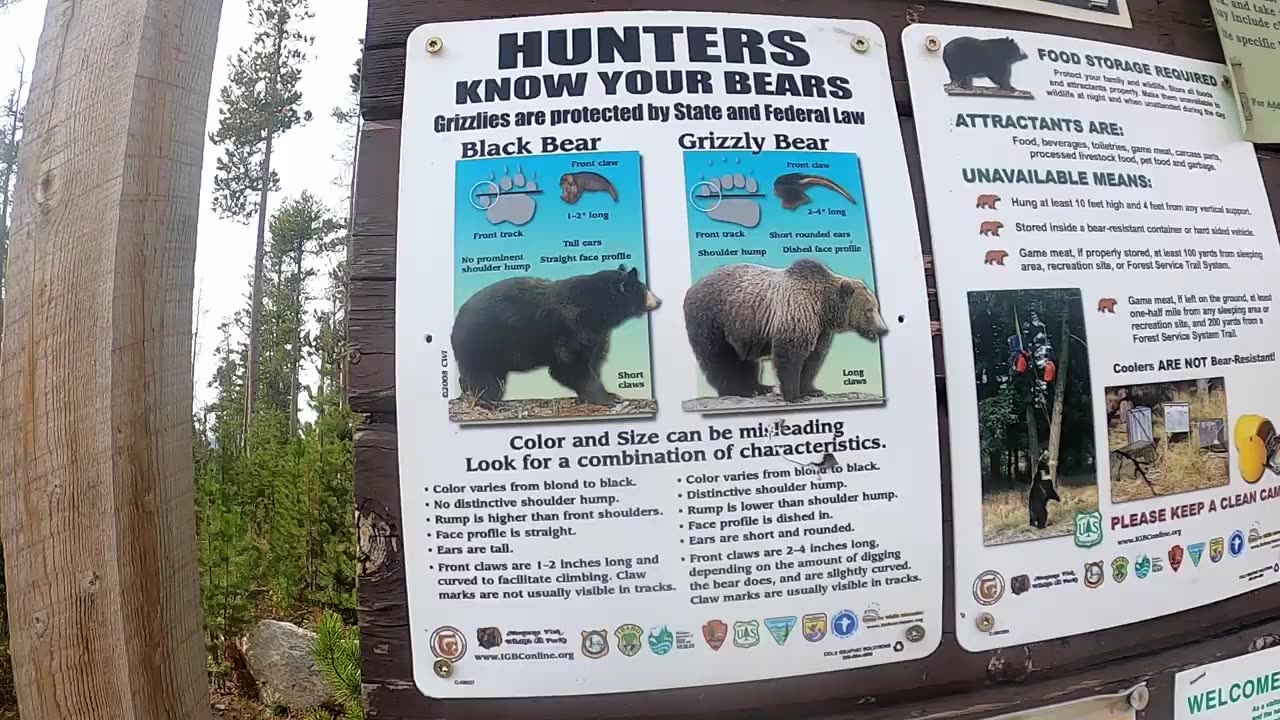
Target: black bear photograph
x=1035, y=413
x=524, y=324
x=968, y=58
x=1042, y=491
x=740, y=314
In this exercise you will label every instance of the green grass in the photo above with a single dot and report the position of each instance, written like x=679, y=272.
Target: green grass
x=1005, y=518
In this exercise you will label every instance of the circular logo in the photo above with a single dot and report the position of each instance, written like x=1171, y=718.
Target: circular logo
x=988, y=588
x=1236, y=544
x=595, y=643
x=845, y=623
x=447, y=643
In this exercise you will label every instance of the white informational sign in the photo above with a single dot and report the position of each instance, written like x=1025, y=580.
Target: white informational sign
x=664, y=373
x=1099, y=12
x=1106, y=259
x=1242, y=688
x=1115, y=706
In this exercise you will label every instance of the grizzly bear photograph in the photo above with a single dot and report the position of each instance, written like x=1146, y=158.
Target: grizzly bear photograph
x=968, y=58
x=522, y=324
x=740, y=314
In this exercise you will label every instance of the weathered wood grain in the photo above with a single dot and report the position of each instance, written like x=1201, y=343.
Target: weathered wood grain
x=1056, y=669
x=1179, y=27
x=951, y=683
x=99, y=511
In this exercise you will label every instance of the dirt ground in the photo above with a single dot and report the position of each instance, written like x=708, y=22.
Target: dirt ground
x=466, y=410
x=1005, y=518
x=774, y=401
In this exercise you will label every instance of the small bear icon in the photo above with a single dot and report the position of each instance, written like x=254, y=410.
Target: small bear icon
x=990, y=227
x=995, y=257
x=1107, y=305
x=988, y=202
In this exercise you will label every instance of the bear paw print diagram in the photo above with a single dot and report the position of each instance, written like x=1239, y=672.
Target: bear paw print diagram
x=732, y=195
x=509, y=198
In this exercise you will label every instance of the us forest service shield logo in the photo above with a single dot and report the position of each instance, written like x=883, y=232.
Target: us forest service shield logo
x=1094, y=575
x=595, y=643
x=1120, y=569
x=814, y=627
x=448, y=643
x=489, y=637
x=1216, y=546
x=715, y=632
x=629, y=639
x=1088, y=528
x=746, y=633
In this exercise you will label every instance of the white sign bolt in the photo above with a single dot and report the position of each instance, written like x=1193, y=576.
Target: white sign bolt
x=985, y=622
x=442, y=668
x=860, y=44
x=434, y=45
x=932, y=43
x=1139, y=697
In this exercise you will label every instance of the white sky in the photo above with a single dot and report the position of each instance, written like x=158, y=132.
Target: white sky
x=304, y=157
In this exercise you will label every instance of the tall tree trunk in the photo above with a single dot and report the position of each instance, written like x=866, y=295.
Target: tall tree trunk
x=259, y=250
x=1059, y=396
x=297, y=338
x=1033, y=437
x=255, y=312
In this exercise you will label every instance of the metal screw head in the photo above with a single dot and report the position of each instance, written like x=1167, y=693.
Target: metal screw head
x=1139, y=698
x=434, y=44
x=1226, y=81
x=861, y=44
x=915, y=633
x=442, y=668
x=985, y=621
x=932, y=43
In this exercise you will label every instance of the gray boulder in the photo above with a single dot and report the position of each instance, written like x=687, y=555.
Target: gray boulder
x=279, y=658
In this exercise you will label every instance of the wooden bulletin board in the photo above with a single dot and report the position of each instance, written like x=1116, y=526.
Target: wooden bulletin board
x=952, y=682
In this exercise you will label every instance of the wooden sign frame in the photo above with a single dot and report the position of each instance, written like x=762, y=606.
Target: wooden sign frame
x=952, y=681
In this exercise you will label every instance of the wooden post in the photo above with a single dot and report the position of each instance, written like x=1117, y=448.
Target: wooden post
x=99, y=521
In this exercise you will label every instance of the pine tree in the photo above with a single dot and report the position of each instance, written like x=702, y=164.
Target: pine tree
x=10, y=135
x=259, y=104
x=349, y=121
x=300, y=228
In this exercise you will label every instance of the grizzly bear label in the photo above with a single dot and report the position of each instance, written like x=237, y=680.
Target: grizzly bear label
x=990, y=227
x=988, y=202
x=1107, y=305
x=740, y=313
x=525, y=323
x=995, y=257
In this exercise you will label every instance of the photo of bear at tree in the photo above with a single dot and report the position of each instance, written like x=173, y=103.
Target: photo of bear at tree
x=782, y=311
x=1035, y=413
x=1167, y=438
x=551, y=299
